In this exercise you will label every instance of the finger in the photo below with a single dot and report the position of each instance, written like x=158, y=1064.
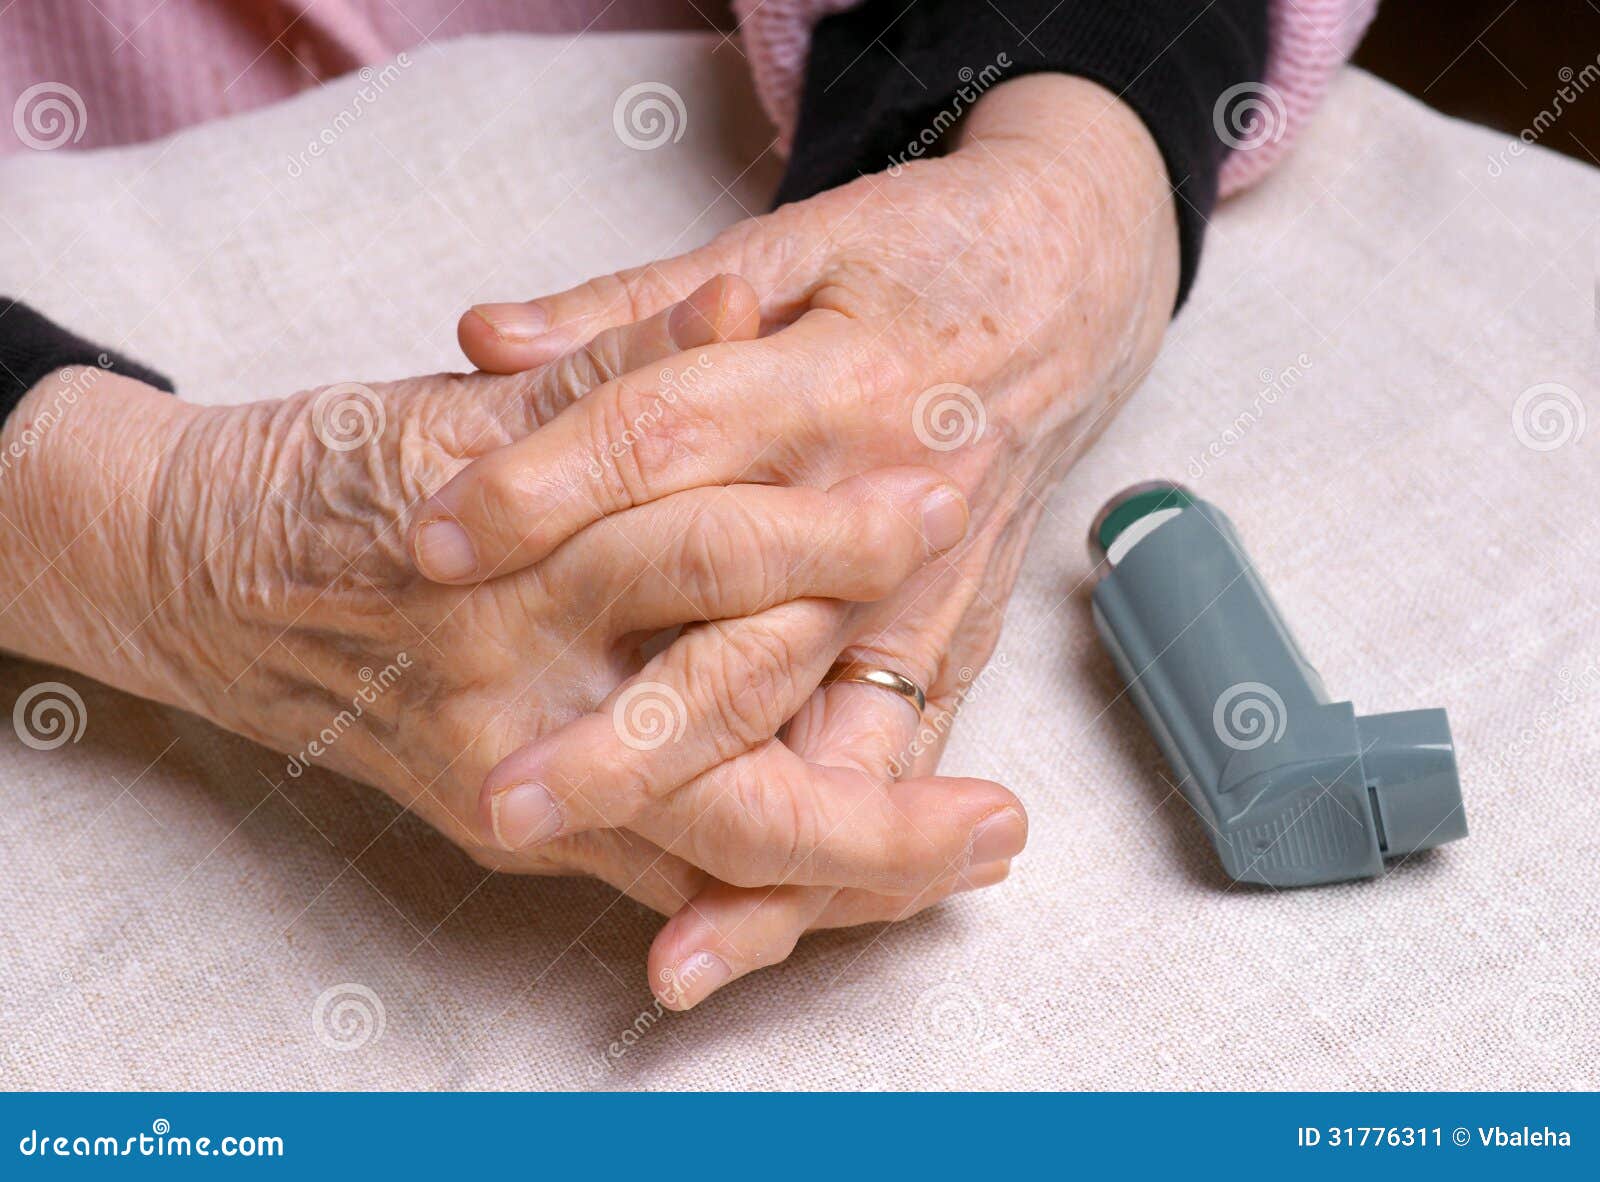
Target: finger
x=735, y=413
x=720, y=689
x=637, y=868
x=684, y=755
x=718, y=553
x=770, y=816
x=836, y=804
x=850, y=908
x=724, y=308
x=913, y=634
x=726, y=932
x=867, y=727
x=511, y=337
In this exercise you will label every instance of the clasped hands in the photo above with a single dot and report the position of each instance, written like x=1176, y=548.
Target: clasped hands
x=622, y=556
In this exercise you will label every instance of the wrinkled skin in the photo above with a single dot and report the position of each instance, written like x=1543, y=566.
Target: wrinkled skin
x=229, y=561
x=1030, y=273
x=248, y=564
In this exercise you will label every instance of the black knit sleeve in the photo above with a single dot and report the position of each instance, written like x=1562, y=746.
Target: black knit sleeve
x=881, y=75
x=32, y=346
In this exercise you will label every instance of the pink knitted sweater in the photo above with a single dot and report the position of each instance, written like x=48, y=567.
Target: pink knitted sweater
x=121, y=71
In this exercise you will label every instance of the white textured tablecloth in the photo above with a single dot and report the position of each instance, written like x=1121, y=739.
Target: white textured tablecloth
x=171, y=919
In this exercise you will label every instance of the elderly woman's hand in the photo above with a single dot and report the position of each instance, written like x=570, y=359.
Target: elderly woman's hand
x=250, y=564
x=982, y=313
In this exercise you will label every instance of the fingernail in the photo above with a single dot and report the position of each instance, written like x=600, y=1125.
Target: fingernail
x=987, y=874
x=524, y=815
x=1000, y=836
x=944, y=519
x=516, y=323
x=697, y=976
x=443, y=551
x=690, y=328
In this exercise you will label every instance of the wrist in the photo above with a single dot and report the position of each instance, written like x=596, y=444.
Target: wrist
x=79, y=458
x=1075, y=148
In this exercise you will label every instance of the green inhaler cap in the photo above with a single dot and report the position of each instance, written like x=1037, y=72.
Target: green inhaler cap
x=1295, y=788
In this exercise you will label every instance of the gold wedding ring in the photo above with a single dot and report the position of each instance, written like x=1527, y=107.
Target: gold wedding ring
x=888, y=679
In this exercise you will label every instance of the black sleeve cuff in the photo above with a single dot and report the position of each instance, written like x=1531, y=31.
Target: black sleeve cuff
x=882, y=74
x=32, y=346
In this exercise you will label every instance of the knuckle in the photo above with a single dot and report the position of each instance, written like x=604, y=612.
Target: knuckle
x=882, y=553
x=619, y=789
x=752, y=856
x=640, y=435
x=718, y=548
x=602, y=358
x=862, y=843
x=891, y=860
x=874, y=368
x=595, y=364
x=779, y=822
x=747, y=681
x=616, y=425
x=506, y=499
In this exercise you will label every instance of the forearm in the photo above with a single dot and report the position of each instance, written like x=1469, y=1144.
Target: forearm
x=78, y=468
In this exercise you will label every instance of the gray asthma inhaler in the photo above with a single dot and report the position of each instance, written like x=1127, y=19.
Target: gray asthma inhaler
x=1294, y=788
